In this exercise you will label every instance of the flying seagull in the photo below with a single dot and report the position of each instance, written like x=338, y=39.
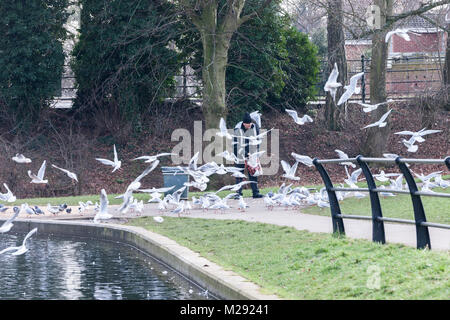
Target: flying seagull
x=419, y=134
x=103, y=214
x=20, y=158
x=351, y=88
x=300, y=121
x=71, y=175
x=401, y=33
x=8, y=224
x=371, y=107
x=380, y=123
x=303, y=159
x=40, y=176
x=256, y=116
x=21, y=249
x=332, y=85
x=289, y=171
x=115, y=164
x=344, y=156
x=8, y=196
x=149, y=159
x=223, y=130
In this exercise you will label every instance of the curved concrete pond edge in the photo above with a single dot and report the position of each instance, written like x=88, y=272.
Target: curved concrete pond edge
x=221, y=283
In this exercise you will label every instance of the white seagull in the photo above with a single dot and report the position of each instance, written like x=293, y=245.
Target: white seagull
x=158, y=219
x=223, y=130
x=300, y=121
x=20, y=158
x=149, y=159
x=21, y=249
x=71, y=175
x=289, y=171
x=371, y=107
x=410, y=144
x=380, y=123
x=8, y=196
x=39, y=178
x=8, y=224
x=332, y=85
x=351, y=88
x=115, y=163
x=256, y=116
x=308, y=161
x=419, y=134
x=344, y=156
x=401, y=33
x=103, y=214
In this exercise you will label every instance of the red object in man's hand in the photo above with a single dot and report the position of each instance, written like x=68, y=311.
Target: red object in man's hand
x=251, y=170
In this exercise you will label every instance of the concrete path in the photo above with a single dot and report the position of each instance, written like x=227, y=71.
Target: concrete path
x=360, y=229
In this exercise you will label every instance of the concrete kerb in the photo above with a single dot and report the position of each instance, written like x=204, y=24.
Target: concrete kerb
x=222, y=283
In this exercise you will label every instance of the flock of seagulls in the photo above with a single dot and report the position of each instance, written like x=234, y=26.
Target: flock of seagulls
x=287, y=196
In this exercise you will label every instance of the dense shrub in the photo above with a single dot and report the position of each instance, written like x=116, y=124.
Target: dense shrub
x=122, y=62
x=31, y=56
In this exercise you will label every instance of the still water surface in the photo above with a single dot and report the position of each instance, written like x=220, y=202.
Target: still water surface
x=56, y=268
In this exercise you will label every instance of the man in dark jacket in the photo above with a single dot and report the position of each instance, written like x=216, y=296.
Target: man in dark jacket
x=242, y=149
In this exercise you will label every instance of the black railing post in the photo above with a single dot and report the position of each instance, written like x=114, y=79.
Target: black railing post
x=422, y=234
x=447, y=162
x=378, y=234
x=363, y=80
x=336, y=219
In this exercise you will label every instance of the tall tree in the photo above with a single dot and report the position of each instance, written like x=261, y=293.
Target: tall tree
x=216, y=24
x=336, y=54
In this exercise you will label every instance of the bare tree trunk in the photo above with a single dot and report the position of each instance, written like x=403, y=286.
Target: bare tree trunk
x=377, y=137
x=336, y=54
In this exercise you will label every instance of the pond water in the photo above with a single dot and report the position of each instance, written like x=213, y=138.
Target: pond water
x=80, y=269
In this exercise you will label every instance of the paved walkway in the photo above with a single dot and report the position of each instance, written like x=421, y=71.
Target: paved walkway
x=361, y=229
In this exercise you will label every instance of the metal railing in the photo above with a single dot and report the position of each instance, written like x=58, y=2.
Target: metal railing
x=378, y=234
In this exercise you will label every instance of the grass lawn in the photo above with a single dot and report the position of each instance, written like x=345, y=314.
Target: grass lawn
x=301, y=265
x=437, y=209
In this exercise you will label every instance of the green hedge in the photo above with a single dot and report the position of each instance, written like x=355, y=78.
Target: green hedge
x=122, y=62
x=31, y=55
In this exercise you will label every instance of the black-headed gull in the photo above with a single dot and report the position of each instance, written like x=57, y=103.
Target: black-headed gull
x=39, y=178
x=149, y=159
x=342, y=155
x=21, y=249
x=223, y=131
x=8, y=196
x=289, y=171
x=70, y=174
x=403, y=33
x=419, y=134
x=371, y=107
x=8, y=224
x=115, y=163
x=256, y=116
x=297, y=120
x=20, y=158
x=380, y=123
x=332, y=85
x=303, y=159
x=351, y=88
x=103, y=214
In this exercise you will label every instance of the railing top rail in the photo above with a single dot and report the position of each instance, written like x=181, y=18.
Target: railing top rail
x=385, y=160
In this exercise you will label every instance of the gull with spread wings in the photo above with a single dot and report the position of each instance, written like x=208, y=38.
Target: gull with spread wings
x=115, y=163
x=39, y=178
